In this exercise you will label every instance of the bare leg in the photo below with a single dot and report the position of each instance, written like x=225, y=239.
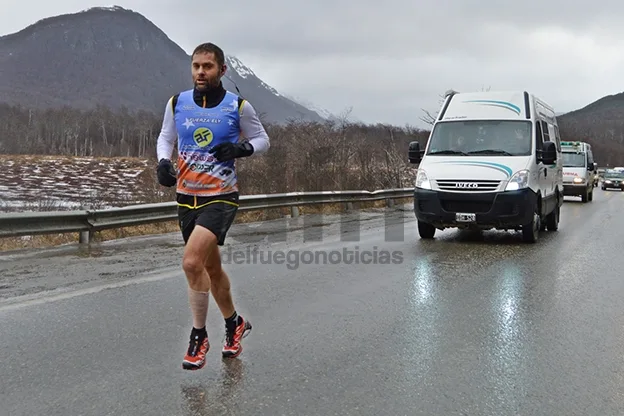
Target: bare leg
x=200, y=243
x=220, y=283
x=236, y=327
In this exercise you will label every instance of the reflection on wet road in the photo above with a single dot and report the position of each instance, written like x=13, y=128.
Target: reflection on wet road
x=469, y=323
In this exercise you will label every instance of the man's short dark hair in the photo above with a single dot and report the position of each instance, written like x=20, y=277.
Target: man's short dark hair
x=211, y=48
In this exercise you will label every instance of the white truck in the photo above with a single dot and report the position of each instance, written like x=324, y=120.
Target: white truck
x=579, y=170
x=492, y=161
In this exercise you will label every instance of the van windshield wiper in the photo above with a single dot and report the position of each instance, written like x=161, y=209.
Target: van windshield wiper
x=448, y=152
x=490, y=152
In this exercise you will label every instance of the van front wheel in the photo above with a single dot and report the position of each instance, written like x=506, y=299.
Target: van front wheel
x=530, y=231
x=426, y=231
x=552, y=220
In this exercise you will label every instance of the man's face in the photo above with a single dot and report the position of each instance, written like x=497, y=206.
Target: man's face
x=206, y=71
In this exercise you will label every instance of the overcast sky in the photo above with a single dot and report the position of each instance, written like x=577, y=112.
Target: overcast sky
x=388, y=59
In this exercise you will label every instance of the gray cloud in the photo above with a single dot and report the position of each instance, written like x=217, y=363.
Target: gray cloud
x=389, y=59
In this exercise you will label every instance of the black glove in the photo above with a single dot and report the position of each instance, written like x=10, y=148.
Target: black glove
x=228, y=151
x=166, y=173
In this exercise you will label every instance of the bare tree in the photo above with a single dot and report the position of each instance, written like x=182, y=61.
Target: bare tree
x=430, y=118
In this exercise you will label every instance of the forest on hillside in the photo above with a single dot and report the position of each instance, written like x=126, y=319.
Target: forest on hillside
x=605, y=136
x=304, y=156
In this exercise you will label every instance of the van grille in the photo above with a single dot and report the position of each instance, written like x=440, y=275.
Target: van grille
x=477, y=207
x=467, y=185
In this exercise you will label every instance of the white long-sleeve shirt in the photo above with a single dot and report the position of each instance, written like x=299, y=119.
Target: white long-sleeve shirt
x=250, y=125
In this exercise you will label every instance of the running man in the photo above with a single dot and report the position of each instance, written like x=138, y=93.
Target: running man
x=207, y=122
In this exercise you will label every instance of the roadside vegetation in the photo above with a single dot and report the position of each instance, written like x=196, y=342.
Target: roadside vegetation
x=93, y=160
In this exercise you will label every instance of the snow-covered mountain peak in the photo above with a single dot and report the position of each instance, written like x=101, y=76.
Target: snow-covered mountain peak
x=240, y=68
x=245, y=72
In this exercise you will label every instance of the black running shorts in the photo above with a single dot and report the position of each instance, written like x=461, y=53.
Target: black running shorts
x=215, y=213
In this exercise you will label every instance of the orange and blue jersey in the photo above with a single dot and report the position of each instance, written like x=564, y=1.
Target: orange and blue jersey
x=199, y=130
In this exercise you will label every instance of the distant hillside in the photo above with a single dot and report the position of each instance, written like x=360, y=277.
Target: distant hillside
x=609, y=108
x=115, y=57
x=600, y=123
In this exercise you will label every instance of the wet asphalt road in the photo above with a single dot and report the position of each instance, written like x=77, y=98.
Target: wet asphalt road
x=467, y=324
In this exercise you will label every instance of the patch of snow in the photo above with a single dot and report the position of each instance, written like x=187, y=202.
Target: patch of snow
x=240, y=68
x=113, y=8
x=270, y=88
x=59, y=183
x=245, y=72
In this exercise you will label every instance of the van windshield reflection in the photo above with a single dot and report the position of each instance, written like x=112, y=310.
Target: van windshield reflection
x=481, y=137
x=573, y=160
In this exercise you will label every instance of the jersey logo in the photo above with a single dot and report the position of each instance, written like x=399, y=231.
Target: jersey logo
x=202, y=136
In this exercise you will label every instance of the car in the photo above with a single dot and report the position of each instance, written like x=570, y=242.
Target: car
x=492, y=161
x=613, y=179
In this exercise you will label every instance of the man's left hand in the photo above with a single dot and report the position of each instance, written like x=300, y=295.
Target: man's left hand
x=228, y=151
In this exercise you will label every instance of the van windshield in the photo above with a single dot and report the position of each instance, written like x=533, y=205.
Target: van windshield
x=481, y=137
x=573, y=160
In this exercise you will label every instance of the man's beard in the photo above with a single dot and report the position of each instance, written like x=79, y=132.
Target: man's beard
x=209, y=83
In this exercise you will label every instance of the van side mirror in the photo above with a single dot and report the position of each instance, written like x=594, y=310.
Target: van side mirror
x=592, y=166
x=415, y=154
x=549, y=153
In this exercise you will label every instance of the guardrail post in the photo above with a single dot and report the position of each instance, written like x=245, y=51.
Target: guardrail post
x=349, y=206
x=85, y=237
x=389, y=202
x=294, y=211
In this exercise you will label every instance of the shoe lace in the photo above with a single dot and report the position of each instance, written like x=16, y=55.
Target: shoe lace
x=194, y=344
x=229, y=335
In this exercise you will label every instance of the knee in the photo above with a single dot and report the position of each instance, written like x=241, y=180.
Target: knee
x=192, y=265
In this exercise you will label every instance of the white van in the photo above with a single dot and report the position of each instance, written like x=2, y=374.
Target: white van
x=579, y=170
x=492, y=161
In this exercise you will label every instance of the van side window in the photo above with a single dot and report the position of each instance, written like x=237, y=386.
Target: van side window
x=557, y=138
x=539, y=140
x=545, y=131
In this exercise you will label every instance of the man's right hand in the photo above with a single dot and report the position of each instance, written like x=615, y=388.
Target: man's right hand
x=166, y=173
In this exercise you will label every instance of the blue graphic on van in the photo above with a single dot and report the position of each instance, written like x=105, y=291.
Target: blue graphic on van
x=494, y=103
x=496, y=166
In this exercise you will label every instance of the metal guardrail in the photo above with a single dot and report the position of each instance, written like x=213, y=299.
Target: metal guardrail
x=86, y=222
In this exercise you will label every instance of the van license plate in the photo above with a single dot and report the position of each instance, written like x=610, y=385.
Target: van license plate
x=463, y=217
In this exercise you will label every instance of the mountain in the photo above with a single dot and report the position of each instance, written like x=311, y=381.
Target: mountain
x=326, y=114
x=115, y=57
x=601, y=124
x=610, y=107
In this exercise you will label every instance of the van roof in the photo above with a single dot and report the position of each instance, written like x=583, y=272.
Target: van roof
x=575, y=146
x=490, y=105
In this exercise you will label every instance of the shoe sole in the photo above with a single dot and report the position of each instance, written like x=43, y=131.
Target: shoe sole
x=187, y=365
x=192, y=367
x=245, y=333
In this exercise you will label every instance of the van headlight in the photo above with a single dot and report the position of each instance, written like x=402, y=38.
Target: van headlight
x=422, y=181
x=518, y=181
x=577, y=180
